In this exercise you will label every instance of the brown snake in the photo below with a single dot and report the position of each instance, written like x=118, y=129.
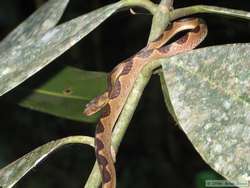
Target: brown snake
x=121, y=81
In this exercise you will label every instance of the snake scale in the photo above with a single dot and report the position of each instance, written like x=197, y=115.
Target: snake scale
x=120, y=83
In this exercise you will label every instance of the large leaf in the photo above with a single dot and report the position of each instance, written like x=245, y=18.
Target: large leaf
x=36, y=25
x=64, y=95
x=23, y=60
x=12, y=173
x=210, y=92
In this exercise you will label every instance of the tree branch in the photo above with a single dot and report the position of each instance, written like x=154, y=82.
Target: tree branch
x=167, y=3
x=181, y=12
x=147, y=4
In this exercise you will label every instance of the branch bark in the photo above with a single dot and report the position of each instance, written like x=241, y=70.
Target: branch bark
x=187, y=11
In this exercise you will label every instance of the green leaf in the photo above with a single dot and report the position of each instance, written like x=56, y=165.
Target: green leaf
x=12, y=173
x=210, y=90
x=64, y=95
x=36, y=25
x=21, y=61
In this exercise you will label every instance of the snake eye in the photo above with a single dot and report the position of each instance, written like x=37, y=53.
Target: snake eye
x=197, y=29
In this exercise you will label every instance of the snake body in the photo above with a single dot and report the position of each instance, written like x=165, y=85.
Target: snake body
x=120, y=83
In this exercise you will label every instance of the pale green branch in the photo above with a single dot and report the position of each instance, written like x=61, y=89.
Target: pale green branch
x=187, y=11
x=167, y=3
x=160, y=20
x=147, y=4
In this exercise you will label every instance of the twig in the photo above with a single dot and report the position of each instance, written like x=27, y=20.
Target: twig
x=147, y=4
x=181, y=12
x=160, y=20
x=167, y=3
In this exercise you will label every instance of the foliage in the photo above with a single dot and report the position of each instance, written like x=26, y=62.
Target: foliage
x=206, y=91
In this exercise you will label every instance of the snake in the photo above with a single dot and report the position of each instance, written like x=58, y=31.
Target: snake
x=122, y=79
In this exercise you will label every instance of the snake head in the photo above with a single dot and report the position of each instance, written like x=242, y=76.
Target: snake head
x=96, y=104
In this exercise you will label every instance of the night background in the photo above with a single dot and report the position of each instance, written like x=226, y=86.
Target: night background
x=154, y=152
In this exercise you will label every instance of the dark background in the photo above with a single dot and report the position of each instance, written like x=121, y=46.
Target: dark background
x=154, y=153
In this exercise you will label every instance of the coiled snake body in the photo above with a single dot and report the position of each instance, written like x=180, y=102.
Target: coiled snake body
x=120, y=83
